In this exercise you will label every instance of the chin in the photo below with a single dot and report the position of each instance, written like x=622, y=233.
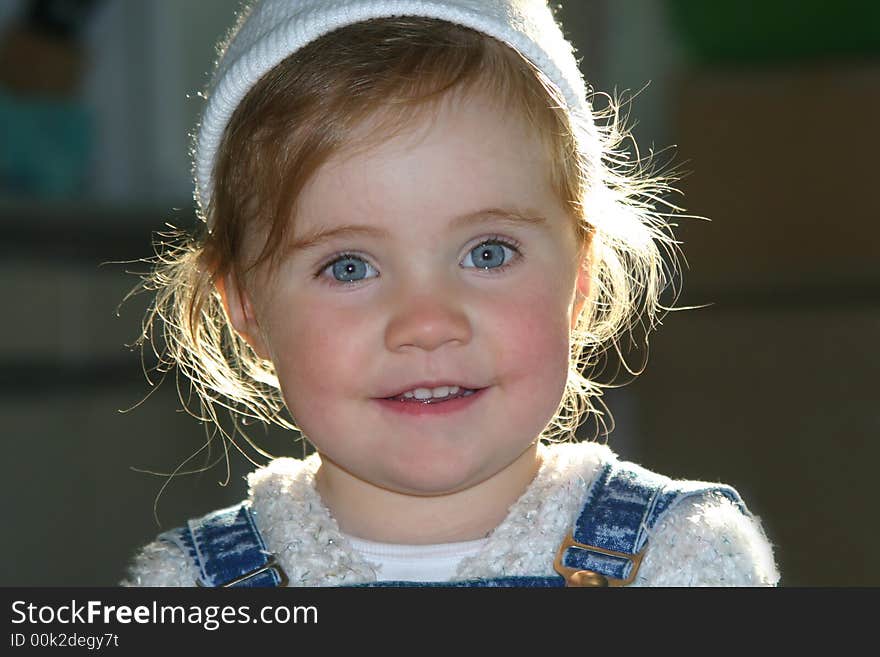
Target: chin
x=432, y=479
x=436, y=477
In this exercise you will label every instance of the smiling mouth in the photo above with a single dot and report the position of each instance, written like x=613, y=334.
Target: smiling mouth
x=415, y=397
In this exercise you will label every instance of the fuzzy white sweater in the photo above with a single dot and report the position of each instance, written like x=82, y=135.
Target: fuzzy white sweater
x=703, y=541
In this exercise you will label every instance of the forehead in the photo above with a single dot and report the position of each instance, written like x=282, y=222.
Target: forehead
x=456, y=156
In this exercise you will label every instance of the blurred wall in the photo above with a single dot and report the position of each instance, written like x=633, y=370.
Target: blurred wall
x=771, y=388
x=772, y=384
x=150, y=61
x=74, y=460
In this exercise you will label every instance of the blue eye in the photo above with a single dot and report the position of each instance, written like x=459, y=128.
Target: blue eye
x=350, y=269
x=491, y=254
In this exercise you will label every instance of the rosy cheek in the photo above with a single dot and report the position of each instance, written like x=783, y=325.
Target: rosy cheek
x=537, y=334
x=318, y=354
x=532, y=348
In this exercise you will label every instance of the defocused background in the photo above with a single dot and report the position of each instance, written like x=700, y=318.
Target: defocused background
x=772, y=387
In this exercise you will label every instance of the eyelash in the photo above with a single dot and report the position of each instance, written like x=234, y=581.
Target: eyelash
x=329, y=280
x=512, y=244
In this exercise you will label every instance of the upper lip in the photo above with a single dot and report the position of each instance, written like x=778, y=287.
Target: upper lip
x=429, y=385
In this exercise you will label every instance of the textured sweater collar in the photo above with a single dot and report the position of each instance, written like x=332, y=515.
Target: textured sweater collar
x=298, y=527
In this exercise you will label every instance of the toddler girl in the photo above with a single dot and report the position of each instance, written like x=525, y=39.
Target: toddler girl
x=417, y=243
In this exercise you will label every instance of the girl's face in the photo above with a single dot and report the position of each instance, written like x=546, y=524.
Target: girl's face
x=440, y=257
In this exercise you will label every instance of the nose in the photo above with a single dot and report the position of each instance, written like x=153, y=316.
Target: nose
x=427, y=321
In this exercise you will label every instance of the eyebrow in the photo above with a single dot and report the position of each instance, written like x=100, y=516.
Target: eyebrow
x=318, y=237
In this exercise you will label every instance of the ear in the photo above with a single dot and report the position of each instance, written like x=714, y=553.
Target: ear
x=583, y=285
x=240, y=312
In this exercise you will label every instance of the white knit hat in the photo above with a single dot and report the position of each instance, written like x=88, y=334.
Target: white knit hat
x=270, y=30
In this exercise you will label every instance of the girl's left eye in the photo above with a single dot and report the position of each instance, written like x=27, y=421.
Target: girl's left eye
x=491, y=254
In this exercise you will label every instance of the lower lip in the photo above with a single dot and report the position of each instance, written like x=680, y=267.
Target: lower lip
x=435, y=408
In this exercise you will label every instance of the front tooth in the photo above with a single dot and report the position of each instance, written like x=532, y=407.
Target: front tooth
x=441, y=391
x=422, y=393
x=453, y=390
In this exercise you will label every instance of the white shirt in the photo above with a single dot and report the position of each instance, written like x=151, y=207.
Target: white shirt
x=415, y=563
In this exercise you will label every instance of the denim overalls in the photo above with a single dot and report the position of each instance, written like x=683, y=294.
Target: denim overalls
x=604, y=548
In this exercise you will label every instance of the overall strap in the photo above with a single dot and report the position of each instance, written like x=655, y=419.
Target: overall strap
x=623, y=505
x=228, y=549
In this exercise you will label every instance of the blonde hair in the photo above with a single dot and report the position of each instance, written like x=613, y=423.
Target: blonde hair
x=305, y=110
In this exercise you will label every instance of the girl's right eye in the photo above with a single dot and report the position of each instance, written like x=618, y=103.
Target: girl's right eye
x=349, y=268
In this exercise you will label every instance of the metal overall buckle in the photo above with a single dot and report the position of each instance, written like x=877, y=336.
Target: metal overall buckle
x=576, y=577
